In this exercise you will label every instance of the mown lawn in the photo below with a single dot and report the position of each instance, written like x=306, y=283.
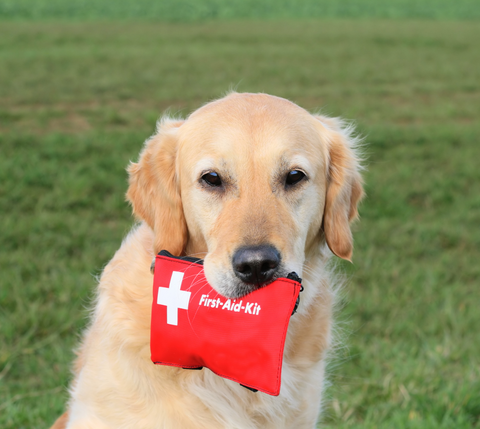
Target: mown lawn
x=77, y=100
x=197, y=10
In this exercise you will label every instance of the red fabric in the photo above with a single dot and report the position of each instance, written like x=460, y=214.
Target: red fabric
x=241, y=339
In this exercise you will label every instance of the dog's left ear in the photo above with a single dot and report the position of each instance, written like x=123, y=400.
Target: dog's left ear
x=344, y=186
x=154, y=189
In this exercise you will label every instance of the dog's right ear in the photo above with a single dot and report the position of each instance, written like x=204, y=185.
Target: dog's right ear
x=154, y=189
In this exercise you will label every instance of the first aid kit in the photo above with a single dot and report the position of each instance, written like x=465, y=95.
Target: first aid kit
x=194, y=327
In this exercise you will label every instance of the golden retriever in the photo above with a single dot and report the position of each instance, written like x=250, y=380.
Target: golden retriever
x=258, y=187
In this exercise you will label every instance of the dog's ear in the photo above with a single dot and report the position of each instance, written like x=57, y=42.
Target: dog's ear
x=154, y=189
x=344, y=186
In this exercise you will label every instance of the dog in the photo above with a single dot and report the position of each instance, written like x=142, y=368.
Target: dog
x=258, y=187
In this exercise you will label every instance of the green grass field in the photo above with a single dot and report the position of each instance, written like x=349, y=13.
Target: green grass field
x=77, y=100
x=195, y=10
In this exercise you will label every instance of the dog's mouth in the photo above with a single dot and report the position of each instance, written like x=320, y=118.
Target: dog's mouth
x=230, y=284
x=241, y=289
x=232, y=287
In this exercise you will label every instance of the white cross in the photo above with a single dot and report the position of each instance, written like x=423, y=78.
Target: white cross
x=173, y=298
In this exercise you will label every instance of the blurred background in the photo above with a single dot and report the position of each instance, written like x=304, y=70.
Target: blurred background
x=82, y=83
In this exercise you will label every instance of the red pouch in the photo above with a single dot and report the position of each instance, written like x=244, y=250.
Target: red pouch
x=193, y=326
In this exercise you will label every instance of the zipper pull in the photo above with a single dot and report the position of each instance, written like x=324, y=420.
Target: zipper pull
x=294, y=276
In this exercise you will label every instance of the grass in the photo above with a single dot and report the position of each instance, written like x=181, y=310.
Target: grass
x=79, y=98
x=195, y=10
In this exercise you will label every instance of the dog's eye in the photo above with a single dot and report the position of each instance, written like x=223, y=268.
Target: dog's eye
x=294, y=176
x=212, y=179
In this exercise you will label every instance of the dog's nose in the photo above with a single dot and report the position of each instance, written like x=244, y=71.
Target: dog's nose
x=256, y=264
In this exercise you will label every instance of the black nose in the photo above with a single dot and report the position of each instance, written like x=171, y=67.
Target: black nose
x=256, y=264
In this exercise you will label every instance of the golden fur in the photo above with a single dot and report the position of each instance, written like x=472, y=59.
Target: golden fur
x=252, y=141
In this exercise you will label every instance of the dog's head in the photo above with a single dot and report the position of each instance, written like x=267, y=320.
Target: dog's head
x=252, y=182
